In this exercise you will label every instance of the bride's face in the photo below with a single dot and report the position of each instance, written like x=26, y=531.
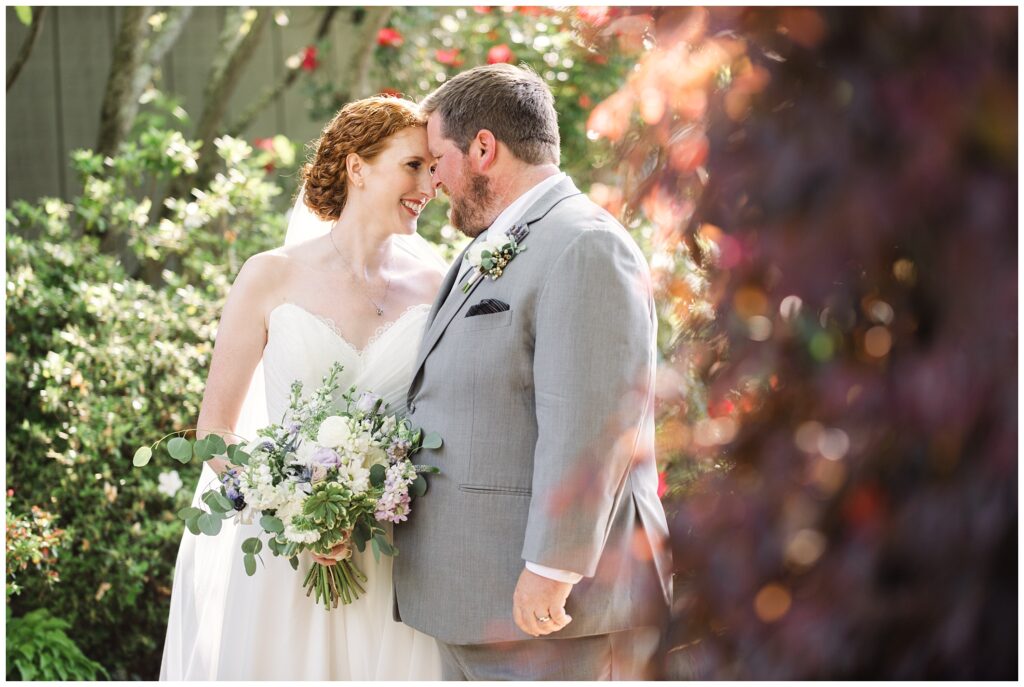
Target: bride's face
x=397, y=182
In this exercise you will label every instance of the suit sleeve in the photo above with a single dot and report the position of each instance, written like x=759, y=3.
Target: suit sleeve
x=592, y=369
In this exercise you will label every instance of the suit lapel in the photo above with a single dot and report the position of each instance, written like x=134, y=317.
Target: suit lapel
x=444, y=312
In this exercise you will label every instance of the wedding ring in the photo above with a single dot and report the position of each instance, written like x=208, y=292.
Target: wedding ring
x=542, y=620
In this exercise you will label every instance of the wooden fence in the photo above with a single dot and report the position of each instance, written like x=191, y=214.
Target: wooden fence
x=54, y=107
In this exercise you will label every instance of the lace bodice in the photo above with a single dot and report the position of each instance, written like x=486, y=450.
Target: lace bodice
x=302, y=345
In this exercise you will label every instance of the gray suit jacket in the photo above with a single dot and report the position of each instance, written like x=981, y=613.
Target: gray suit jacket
x=546, y=411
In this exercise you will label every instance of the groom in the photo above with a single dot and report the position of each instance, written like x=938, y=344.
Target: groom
x=540, y=552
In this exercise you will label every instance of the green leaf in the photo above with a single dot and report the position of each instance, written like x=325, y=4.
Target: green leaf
x=383, y=543
x=487, y=263
x=180, y=449
x=252, y=545
x=216, y=444
x=142, y=456
x=484, y=254
x=193, y=524
x=189, y=512
x=432, y=441
x=294, y=560
x=377, y=474
x=201, y=448
x=217, y=502
x=236, y=456
x=209, y=524
x=25, y=17
x=419, y=486
x=272, y=524
x=376, y=549
x=250, y=564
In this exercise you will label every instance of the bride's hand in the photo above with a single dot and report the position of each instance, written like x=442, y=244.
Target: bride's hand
x=341, y=551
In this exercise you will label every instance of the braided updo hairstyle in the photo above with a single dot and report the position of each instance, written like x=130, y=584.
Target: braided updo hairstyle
x=361, y=127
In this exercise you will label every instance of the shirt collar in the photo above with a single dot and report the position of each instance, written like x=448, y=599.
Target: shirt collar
x=516, y=208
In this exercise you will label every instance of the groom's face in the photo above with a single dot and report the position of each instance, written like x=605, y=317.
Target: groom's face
x=469, y=192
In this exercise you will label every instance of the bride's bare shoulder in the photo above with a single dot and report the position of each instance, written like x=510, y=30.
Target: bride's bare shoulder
x=425, y=275
x=263, y=275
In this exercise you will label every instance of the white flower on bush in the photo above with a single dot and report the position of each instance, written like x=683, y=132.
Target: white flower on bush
x=334, y=431
x=170, y=483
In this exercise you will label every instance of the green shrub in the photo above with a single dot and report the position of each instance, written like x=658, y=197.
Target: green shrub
x=38, y=648
x=97, y=359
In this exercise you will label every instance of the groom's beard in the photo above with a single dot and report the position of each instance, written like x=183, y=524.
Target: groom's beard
x=470, y=213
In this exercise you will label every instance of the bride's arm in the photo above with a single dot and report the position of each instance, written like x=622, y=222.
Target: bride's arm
x=241, y=337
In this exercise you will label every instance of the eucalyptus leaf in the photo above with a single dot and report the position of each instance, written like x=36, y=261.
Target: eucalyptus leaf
x=250, y=564
x=432, y=441
x=272, y=524
x=189, y=512
x=142, y=456
x=419, y=486
x=237, y=456
x=209, y=524
x=252, y=545
x=193, y=525
x=377, y=474
x=216, y=443
x=376, y=549
x=217, y=502
x=25, y=17
x=294, y=560
x=180, y=449
x=201, y=448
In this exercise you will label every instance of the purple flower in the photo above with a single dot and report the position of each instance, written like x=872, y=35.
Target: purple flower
x=326, y=457
x=294, y=427
x=366, y=402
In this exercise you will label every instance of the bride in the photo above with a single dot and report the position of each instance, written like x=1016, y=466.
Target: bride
x=358, y=293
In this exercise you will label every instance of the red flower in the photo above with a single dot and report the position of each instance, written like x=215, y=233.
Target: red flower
x=500, y=53
x=482, y=9
x=266, y=144
x=585, y=101
x=389, y=38
x=309, y=61
x=662, y=484
x=449, y=57
x=594, y=15
x=533, y=11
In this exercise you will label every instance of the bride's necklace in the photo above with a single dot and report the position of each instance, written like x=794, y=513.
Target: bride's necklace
x=364, y=287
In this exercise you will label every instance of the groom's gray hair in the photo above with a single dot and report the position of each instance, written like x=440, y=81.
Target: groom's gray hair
x=511, y=102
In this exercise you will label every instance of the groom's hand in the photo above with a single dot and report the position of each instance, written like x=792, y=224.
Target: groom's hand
x=537, y=597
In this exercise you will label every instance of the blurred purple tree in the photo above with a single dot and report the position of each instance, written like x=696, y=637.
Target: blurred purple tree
x=846, y=181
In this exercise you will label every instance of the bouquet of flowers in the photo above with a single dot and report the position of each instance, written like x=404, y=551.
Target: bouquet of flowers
x=325, y=479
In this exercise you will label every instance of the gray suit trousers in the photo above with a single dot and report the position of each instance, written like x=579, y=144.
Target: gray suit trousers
x=624, y=655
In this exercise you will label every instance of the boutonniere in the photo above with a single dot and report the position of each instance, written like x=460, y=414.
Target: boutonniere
x=489, y=259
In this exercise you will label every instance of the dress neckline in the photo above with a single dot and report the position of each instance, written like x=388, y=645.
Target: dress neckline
x=330, y=324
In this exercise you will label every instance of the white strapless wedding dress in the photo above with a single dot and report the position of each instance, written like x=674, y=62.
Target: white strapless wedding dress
x=225, y=625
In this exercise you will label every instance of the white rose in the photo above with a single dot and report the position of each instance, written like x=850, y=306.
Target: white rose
x=475, y=254
x=376, y=456
x=333, y=432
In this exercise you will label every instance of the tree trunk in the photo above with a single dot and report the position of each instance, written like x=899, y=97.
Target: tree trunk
x=26, y=47
x=274, y=92
x=242, y=30
x=117, y=113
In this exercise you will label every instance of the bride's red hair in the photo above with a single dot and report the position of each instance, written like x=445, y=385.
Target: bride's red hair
x=361, y=127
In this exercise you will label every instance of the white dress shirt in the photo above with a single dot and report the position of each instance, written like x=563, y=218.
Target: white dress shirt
x=501, y=225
